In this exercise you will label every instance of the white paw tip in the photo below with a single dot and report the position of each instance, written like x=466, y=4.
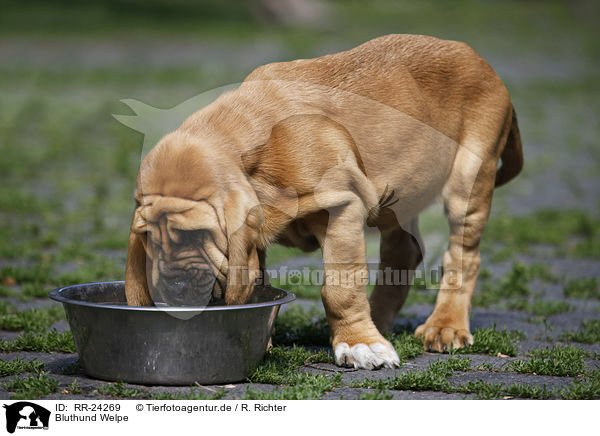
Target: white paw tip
x=343, y=355
x=387, y=354
x=364, y=356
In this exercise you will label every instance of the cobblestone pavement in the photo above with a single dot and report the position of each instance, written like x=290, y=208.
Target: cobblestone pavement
x=491, y=369
x=554, y=90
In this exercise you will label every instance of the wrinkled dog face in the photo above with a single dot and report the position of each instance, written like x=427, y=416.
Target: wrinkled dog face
x=186, y=262
x=180, y=271
x=195, y=228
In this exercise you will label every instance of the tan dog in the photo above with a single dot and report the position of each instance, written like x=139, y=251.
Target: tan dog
x=304, y=153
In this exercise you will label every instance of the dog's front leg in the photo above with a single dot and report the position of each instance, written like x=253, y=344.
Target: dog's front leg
x=355, y=339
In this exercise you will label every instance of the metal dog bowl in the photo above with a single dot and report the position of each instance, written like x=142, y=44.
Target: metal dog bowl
x=168, y=345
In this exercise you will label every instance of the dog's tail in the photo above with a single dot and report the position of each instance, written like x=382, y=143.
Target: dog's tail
x=512, y=155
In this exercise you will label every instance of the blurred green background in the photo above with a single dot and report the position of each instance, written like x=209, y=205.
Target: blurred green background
x=67, y=167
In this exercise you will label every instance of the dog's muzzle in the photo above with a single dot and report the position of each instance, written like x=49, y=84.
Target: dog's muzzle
x=184, y=288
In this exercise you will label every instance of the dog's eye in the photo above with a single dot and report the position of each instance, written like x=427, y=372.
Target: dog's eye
x=195, y=236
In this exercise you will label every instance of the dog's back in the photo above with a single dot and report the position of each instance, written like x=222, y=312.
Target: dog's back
x=432, y=80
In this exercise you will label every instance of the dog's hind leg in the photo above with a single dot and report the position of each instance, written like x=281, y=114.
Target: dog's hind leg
x=467, y=199
x=400, y=254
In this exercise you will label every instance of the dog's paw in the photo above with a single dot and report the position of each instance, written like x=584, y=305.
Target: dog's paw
x=362, y=356
x=442, y=339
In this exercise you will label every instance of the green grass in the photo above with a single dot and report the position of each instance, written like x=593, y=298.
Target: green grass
x=376, y=394
x=99, y=269
x=490, y=391
x=74, y=388
x=280, y=365
x=558, y=228
x=513, y=291
x=560, y=360
x=491, y=341
x=37, y=280
x=541, y=272
x=312, y=292
x=50, y=342
x=34, y=290
x=589, y=333
x=21, y=274
x=540, y=308
x=19, y=366
x=588, y=248
x=31, y=387
x=6, y=308
x=420, y=296
x=434, y=378
x=193, y=394
x=407, y=345
x=226, y=19
x=32, y=320
x=584, y=388
x=301, y=326
x=276, y=254
x=305, y=387
x=6, y=291
x=119, y=390
x=451, y=364
x=514, y=284
x=485, y=366
x=582, y=288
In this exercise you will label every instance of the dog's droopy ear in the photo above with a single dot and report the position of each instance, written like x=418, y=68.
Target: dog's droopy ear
x=244, y=217
x=136, y=286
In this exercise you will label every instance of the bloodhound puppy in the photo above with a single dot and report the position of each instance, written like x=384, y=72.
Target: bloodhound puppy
x=304, y=153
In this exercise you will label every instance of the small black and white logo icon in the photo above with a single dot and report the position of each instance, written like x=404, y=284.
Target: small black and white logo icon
x=26, y=415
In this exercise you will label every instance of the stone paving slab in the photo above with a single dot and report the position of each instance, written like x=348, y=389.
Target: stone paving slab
x=510, y=379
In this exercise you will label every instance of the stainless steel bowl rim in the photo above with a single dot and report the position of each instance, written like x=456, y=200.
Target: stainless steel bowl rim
x=56, y=296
